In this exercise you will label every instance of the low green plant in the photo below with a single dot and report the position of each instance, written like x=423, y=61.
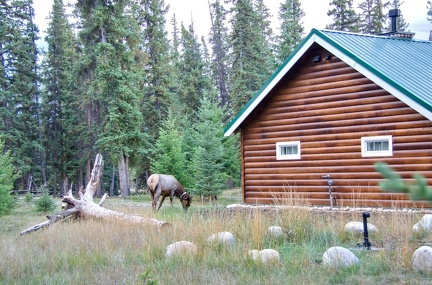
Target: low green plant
x=147, y=278
x=28, y=197
x=418, y=190
x=45, y=203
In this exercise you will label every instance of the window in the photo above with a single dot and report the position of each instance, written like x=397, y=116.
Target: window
x=377, y=146
x=288, y=150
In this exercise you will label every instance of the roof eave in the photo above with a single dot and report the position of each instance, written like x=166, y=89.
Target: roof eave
x=320, y=38
x=268, y=86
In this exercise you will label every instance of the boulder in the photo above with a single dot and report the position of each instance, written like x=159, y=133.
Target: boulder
x=275, y=231
x=222, y=237
x=422, y=259
x=338, y=256
x=266, y=256
x=357, y=228
x=181, y=248
x=424, y=224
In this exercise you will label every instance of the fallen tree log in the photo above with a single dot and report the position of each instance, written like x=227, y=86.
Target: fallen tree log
x=85, y=207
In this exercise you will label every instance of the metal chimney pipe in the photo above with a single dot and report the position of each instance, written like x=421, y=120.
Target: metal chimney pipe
x=393, y=14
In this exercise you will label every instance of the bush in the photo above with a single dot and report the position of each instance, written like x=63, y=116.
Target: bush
x=45, y=203
x=28, y=197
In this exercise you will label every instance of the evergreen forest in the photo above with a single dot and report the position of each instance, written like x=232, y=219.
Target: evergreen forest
x=117, y=77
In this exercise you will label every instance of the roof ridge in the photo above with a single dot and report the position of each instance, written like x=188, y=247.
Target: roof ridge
x=373, y=36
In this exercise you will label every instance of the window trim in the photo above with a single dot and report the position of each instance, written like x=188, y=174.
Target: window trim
x=369, y=153
x=280, y=156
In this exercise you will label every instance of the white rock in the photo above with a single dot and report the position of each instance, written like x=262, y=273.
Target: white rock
x=254, y=254
x=338, y=256
x=357, y=228
x=222, y=237
x=266, y=256
x=181, y=248
x=422, y=259
x=424, y=224
x=275, y=231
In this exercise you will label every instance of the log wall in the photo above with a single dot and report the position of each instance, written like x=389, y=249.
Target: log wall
x=328, y=107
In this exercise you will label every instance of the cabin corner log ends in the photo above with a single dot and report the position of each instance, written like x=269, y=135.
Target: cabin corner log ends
x=86, y=207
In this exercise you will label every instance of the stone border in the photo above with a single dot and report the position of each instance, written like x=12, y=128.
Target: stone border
x=329, y=209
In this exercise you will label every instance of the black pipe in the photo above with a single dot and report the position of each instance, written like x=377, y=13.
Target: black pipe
x=366, y=243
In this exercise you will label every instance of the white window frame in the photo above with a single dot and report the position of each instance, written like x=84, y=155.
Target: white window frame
x=280, y=145
x=369, y=153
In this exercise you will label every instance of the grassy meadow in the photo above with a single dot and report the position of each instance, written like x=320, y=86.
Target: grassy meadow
x=108, y=252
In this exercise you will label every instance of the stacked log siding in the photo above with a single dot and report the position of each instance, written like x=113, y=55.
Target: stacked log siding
x=329, y=107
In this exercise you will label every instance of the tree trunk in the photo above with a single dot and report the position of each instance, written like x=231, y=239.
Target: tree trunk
x=123, y=176
x=112, y=182
x=85, y=207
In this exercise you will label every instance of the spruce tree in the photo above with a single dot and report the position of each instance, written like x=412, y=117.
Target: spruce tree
x=372, y=17
x=401, y=24
x=344, y=16
x=251, y=60
x=193, y=82
x=60, y=114
x=291, y=29
x=157, y=82
x=19, y=94
x=429, y=11
x=207, y=165
x=110, y=37
x=169, y=157
x=218, y=40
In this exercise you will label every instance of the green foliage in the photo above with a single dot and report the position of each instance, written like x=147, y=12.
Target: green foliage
x=418, y=189
x=207, y=165
x=28, y=197
x=401, y=24
x=61, y=116
x=429, y=11
x=7, y=176
x=45, y=203
x=147, y=278
x=252, y=60
x=19, y=94
x=372, y=16
x=290, y=15
x=344, y=16
x=169, y=157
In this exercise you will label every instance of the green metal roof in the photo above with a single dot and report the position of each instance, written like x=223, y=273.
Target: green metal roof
x=403, y=67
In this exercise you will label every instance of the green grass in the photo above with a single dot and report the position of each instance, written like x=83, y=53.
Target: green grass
x=109, y=252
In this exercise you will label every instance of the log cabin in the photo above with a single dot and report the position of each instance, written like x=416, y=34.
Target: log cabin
x=338, y=104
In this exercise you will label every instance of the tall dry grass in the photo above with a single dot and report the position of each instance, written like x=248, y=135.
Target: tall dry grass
x=109, y=252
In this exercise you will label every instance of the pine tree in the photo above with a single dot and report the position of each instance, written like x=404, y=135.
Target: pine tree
x=344, y=16
x=154, y=45
x=193, y=82
x=251, y=60
x=19, y=96
x=169, y=157
x=401, y=24
x=429, y=12
x=291, y=29
x=372, y=16
x=219, y=45
x=110, y=39
x=60, y=114
x=207, y=165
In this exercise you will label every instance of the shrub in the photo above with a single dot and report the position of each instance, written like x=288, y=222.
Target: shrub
x=28, y=197
x=45, y=203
